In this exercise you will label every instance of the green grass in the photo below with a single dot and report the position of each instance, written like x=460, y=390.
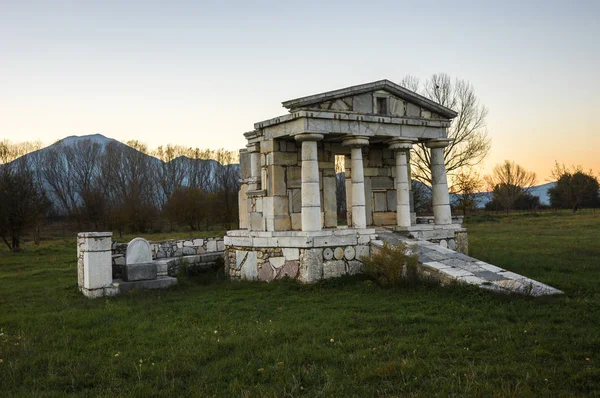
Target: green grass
x=209, y=337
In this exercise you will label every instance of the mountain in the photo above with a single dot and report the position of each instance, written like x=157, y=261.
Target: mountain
x=206, y=167
x=95, y=138
x=541, y=191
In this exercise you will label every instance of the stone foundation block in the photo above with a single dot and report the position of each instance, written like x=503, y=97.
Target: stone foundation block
x=333, y=269
x=311, y=265
x=140, y=272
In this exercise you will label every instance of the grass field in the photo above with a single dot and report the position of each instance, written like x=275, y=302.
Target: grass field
x=342, y=338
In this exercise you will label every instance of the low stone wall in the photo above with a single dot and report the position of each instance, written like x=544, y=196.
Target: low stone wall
x=168, y=249
x=172, y=248
x=199, y=262
x=306, y=256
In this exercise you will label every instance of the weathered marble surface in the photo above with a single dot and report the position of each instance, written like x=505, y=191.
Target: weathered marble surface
x=138, y=251
x=308, y=256
x=94, y=271
x=168, y=249
x=448, y=266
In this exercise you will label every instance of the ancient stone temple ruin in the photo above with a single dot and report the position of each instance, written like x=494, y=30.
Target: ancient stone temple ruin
x=287, y=201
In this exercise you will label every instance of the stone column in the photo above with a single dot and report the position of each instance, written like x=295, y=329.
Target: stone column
x=255, y=169
x=439, y=182
x=94, y=264
x=311, y=195
x=402, y=148
x=359, y=215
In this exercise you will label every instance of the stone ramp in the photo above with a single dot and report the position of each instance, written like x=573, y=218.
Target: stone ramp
x=449, y=266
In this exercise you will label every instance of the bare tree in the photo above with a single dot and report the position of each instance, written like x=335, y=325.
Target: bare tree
x=58, y=175
x=508, y=182
x=10, y=151
x=410, y=82
x=466, y=187
x=227, y=185
x=171, y=171
x=199, y=169
x=470, y=142
x=132, y=191
x=23, y=203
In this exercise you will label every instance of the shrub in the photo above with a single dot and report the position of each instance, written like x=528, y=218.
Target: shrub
x=392, y=266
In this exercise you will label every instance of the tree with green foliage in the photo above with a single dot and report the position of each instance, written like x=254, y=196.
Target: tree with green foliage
x=574, y=188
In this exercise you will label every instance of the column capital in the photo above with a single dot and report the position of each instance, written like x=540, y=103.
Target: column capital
x=401, y=144
x=253, y=147
x=355, y=141
x=438, y=143
x=308, y=137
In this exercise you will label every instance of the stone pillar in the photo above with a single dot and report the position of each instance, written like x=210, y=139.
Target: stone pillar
x=255, y=169
x=402, y=149
x=311, y=195
x=439, y=182
x=94, y=264
x=359, y=215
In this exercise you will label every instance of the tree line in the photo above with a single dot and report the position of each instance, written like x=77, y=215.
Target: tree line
x=114, y=187
x=509, y=188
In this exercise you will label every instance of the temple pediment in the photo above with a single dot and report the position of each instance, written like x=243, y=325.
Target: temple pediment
x=382, y=97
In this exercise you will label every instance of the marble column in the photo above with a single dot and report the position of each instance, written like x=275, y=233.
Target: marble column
x=402, y=148
x=439, y=182
x=255, y=169
x=311, y=195
x=359, y=215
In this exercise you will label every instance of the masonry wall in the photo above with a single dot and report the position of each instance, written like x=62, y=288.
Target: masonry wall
x=379, y=164
x=308, y=258
x=169, y=249
x=277, y=204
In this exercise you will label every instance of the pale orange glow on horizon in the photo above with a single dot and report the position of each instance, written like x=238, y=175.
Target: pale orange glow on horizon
x=201, y=74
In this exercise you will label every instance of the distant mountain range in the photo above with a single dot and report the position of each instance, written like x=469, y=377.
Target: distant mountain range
x=541, y=191
x=103, y=142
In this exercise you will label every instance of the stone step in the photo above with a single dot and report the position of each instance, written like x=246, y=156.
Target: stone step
x=448, y=266
x=162, y=282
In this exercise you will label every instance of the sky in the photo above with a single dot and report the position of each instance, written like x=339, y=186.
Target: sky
x=201, y=73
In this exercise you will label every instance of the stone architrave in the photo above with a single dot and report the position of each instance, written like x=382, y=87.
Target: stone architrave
x=138, y=251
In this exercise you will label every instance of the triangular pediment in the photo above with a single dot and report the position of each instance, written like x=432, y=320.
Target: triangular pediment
x=369, y=98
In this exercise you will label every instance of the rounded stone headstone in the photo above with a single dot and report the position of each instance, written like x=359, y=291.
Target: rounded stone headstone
x=327, y=253
x=338, y=253
x=443, y=243
x=349, y=253
x=138, y=251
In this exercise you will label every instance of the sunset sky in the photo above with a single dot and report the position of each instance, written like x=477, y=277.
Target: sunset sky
x=200, y=73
